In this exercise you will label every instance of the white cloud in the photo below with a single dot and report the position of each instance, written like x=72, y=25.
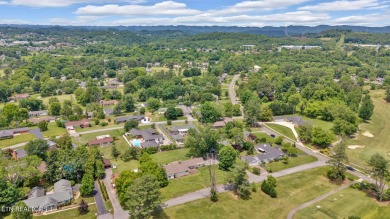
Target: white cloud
x=345, y=5
x=61, y=3
x=162, y=8
x=261, y=5
x=11, y=21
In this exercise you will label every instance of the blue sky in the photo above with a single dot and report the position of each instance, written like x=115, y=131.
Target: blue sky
x=196, y=12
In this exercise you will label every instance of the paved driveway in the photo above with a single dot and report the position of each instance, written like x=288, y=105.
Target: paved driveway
x=119, y=213
x=99, y=200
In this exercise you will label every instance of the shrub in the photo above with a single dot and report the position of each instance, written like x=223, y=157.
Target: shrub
x=256, y=170
x=97, y=122
x=104, y=124
x=169, y=122
x=151, y=150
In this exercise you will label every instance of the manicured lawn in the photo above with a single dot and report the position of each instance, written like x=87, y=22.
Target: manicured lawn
x=74, y=213
x=191, y=183
x=282, y=130
x=169, y=156
x=294, y=161
x=97, y=127
x=319, y=123
x=379, y=127
x=293, y=190
x=54, y=130
x=16, y=140
x=261, y=135
x=348, y=202
x=61, y=98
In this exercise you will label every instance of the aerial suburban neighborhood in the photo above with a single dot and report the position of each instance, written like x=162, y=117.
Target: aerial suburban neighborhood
x=181, y=110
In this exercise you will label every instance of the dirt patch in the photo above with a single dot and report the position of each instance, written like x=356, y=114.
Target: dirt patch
x=368, y=134
x=353, y=147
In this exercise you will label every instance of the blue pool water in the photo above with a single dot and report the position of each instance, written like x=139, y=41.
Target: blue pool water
x=136, y=143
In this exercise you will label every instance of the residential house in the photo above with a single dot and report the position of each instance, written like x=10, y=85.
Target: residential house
x=82, y=124
x=10, y=133
x=265, y=154
x=182, y=168
x=37, y=120
x=108, y=112
x=38, y=113
x=149, y=137
x=20, y=96
x=222, y=123
x=108, y=102
x=101, y=142
x=19, y=153
x=39, y=202
x=106, y=163
x=127, y=118
x=181, y=130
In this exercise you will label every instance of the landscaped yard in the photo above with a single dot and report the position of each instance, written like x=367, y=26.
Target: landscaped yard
x=294, y=161
x=261, y=135
x=191, y=183
x=282, y=130
x=348, y=202
x=169, y=156
x=16, y=140
x=374, y=135
x=53, y=130
x=293, y=190
x=74, y=213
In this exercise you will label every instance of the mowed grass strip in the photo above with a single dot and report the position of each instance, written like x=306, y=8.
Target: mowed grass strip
x=16, y=140
x=166, y=157
x=191, y=183
x=293, y=190
x=286, y=131
x=346, y=203
x=294, y=161
x=73, y=213
x=379, y=127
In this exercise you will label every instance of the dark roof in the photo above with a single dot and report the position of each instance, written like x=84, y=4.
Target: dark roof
x=20, y=153
x=6, y=133
x=127, y=118
x=108, y=111
x=62, y=186
x=36, y=192
x=149, y=144
x=100, y=141
x=177, y=128
x=147, y=134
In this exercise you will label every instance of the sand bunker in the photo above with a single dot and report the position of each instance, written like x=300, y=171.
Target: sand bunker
x=368, y=134
x=355, y=147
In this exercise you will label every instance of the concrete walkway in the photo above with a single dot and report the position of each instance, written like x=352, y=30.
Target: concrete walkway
x=319, y=198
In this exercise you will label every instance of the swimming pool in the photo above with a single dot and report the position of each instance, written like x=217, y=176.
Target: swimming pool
x=136, y=143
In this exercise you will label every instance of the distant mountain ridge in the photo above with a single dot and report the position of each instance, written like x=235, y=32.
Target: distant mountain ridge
x=267, y=30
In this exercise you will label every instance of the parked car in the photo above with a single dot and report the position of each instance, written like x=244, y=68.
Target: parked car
x=273, y=135
x=350, y=168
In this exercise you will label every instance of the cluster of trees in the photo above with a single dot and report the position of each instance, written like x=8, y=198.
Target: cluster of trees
x=192, y=72
x=315, y=135
x=268, y=186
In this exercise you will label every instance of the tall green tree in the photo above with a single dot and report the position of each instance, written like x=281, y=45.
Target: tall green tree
x=209, y=113
x=252, y=110
x=37, y=147
x=128, y=103
x=338, y=169
x=9, y=194
x=380, y=171
x=238, y=179
x=366, y=108
x=87, y=185
x=202, y=141
x=227, y=157
x=143, y=197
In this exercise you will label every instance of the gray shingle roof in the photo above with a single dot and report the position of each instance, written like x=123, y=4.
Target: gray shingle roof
x=62, y=186
x=177, y=128
x=6, y=134
x=20, y=153
x=269, y=153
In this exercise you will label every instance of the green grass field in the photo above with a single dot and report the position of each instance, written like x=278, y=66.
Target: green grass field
x=16, y=140
x=293, y=190
x=54, y=130
x=319, y=123
x=379, y=127
x=348, y=202
x=294, y=161
x=74, y=213
x=170, y=156
x=261, y=135
x=191, y=183
x=282, y=130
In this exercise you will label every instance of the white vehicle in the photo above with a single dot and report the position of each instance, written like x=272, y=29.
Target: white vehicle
x=114, y=166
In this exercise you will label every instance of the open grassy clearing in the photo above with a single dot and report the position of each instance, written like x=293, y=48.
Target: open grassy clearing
x=16, y=140
x=53, y=130
x=61, y=98
x=191, y=183
x=294, y=161
x=378, y=127
x=348, y=202
x=293, y=190
x=319, y=123
x=282, y=130
x=261, y=135
x=170, y=156
x=74, y=213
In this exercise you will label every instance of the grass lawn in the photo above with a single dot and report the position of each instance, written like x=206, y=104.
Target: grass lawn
x=97, y=127
x=54, y=130
x=282, y=130
x=261, y=135
x=169, y=156
x=16, y=140
x=294, y=161
x=61, y=98
x=378, y=126
x=319, y=123
x=74, y=213
x=293, y=190
x=191, y=183
x=348, y=202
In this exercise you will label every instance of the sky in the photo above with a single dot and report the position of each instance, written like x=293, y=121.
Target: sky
x=254, y=13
